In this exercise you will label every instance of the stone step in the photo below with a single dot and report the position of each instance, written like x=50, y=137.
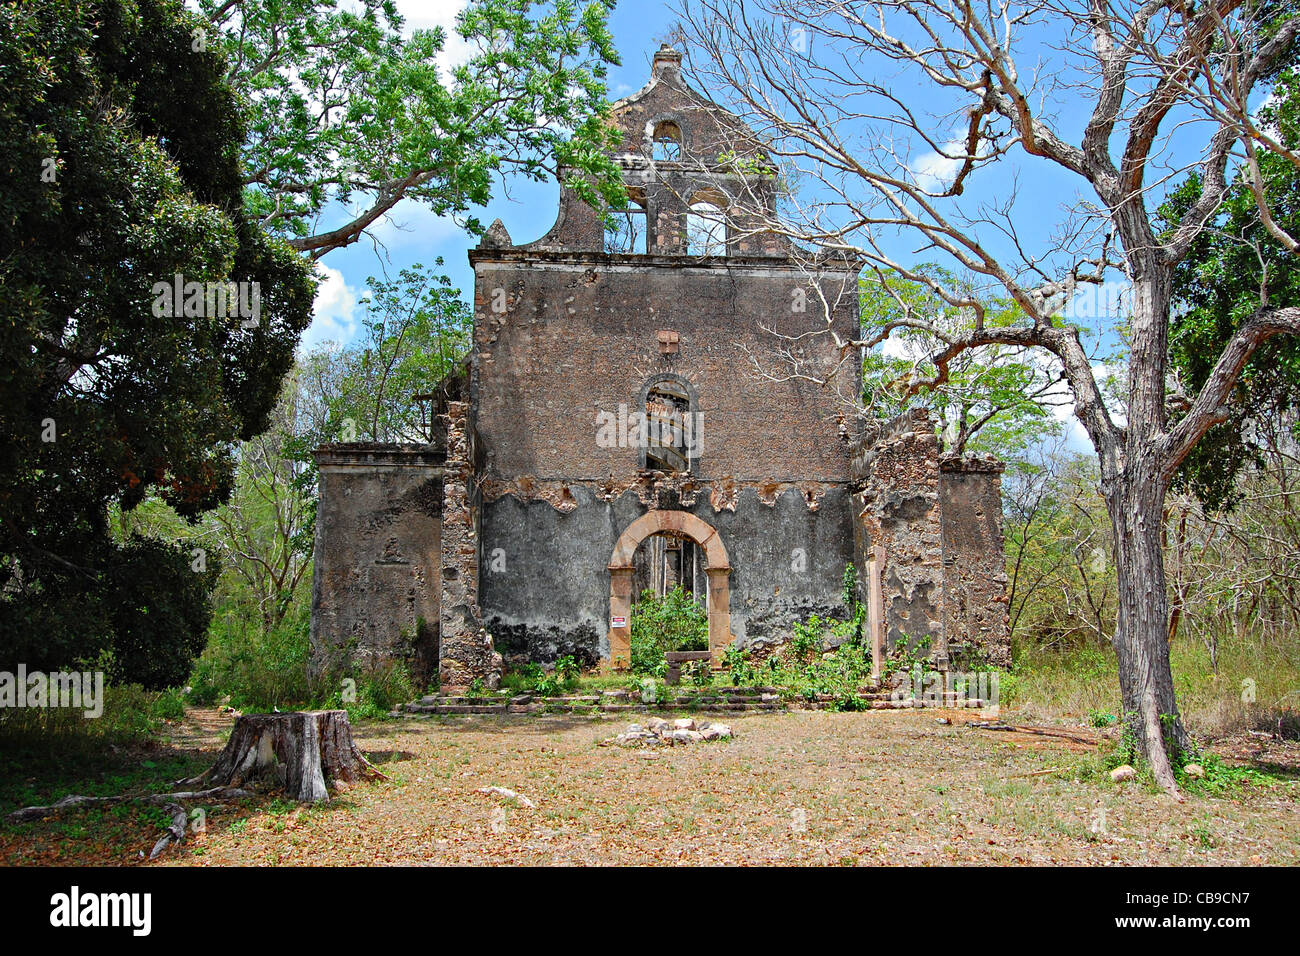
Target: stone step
x=471, y=708
x=711, y=700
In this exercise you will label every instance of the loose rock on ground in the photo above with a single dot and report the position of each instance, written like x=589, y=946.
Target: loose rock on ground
x=659, y=732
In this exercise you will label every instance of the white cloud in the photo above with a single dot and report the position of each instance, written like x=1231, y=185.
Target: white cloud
x=427, y=14
x=896, y=347
x=1269, y=100
x=333, y=312
x=933, y=171
x=1063, y=408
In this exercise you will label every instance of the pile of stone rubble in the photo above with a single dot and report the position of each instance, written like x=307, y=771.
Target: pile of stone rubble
x=659, y=732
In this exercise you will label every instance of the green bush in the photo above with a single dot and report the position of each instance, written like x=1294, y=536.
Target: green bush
x=803, y=675
x=379, y=688
x=131, y=716
x=548, y=685
x=257, y=669
x=671, y=623
x=531, y=679
x=807, y=639
x=568, y=671
x=521, y=679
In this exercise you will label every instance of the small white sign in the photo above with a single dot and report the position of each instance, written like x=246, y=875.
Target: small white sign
x=618, y=622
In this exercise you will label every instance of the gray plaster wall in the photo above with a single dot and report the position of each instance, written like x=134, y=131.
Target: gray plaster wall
x=376, y=580
x=544, y=580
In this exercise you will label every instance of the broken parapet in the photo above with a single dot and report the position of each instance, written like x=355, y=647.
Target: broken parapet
x=465, y=648
x=895, y=471
x=938, y=520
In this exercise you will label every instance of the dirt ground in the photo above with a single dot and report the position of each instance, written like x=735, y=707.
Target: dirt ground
x=796, y=788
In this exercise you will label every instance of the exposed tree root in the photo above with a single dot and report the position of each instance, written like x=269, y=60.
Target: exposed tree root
x=73, y=800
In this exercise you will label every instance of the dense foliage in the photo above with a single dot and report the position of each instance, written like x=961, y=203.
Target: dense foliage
x=123, y=171
x=351, y=113
x=997, y=399
x=1233, y=270
x=674, y=622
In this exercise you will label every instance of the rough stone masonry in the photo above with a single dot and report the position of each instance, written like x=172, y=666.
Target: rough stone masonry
x=652, y=390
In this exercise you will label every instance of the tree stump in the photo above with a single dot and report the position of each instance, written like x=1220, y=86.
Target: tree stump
x=304, y=750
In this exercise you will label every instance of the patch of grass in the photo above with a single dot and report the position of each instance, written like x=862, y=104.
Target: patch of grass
x=99, y=834
x=1203, y=833
x=1222, y=779
x=131, y=716
x=1257, y=685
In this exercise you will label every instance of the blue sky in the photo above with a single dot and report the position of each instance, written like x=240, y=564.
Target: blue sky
x=413, y=234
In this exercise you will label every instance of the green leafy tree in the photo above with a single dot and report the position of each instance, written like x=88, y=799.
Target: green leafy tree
x=416, y=334
x=673, y=622
x=349, y=114
x=1233, y=269
x=123, y=145
x=997, y=400
x=263, y=534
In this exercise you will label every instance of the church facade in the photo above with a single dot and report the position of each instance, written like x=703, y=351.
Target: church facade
x=645, y=407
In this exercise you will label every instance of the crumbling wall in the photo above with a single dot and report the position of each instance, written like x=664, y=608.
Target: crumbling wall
x=466, y=652
x=709, y=136
x=974, y=564
x=939, y=521
x=564, y=349
x=896, y=470
x=376, y=577
x=567, y=341
x=545, y=578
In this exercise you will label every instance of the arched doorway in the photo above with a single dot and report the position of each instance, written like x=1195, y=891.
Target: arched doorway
x=717, y=567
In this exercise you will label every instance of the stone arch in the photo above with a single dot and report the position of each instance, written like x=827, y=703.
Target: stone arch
x=718, y=569
x=665, y=128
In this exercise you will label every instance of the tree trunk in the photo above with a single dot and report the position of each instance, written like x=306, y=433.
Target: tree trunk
x=1142, y=634
x=302, y=751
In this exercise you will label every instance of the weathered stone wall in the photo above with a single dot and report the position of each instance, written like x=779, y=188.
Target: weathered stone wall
x=376, y=578
x=576, y=340
x=466, y=652
x=974, y=564
x=545, y=579
x=940, y=523
x=897, y=475
x=567, y=339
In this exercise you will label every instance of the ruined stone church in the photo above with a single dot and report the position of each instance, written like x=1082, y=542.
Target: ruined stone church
x=623, y=423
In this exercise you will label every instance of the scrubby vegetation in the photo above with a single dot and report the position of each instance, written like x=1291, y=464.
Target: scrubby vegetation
x=674, y=622
x=1233, y=579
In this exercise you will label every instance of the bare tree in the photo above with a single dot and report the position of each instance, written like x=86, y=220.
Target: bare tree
x=1120, y=98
